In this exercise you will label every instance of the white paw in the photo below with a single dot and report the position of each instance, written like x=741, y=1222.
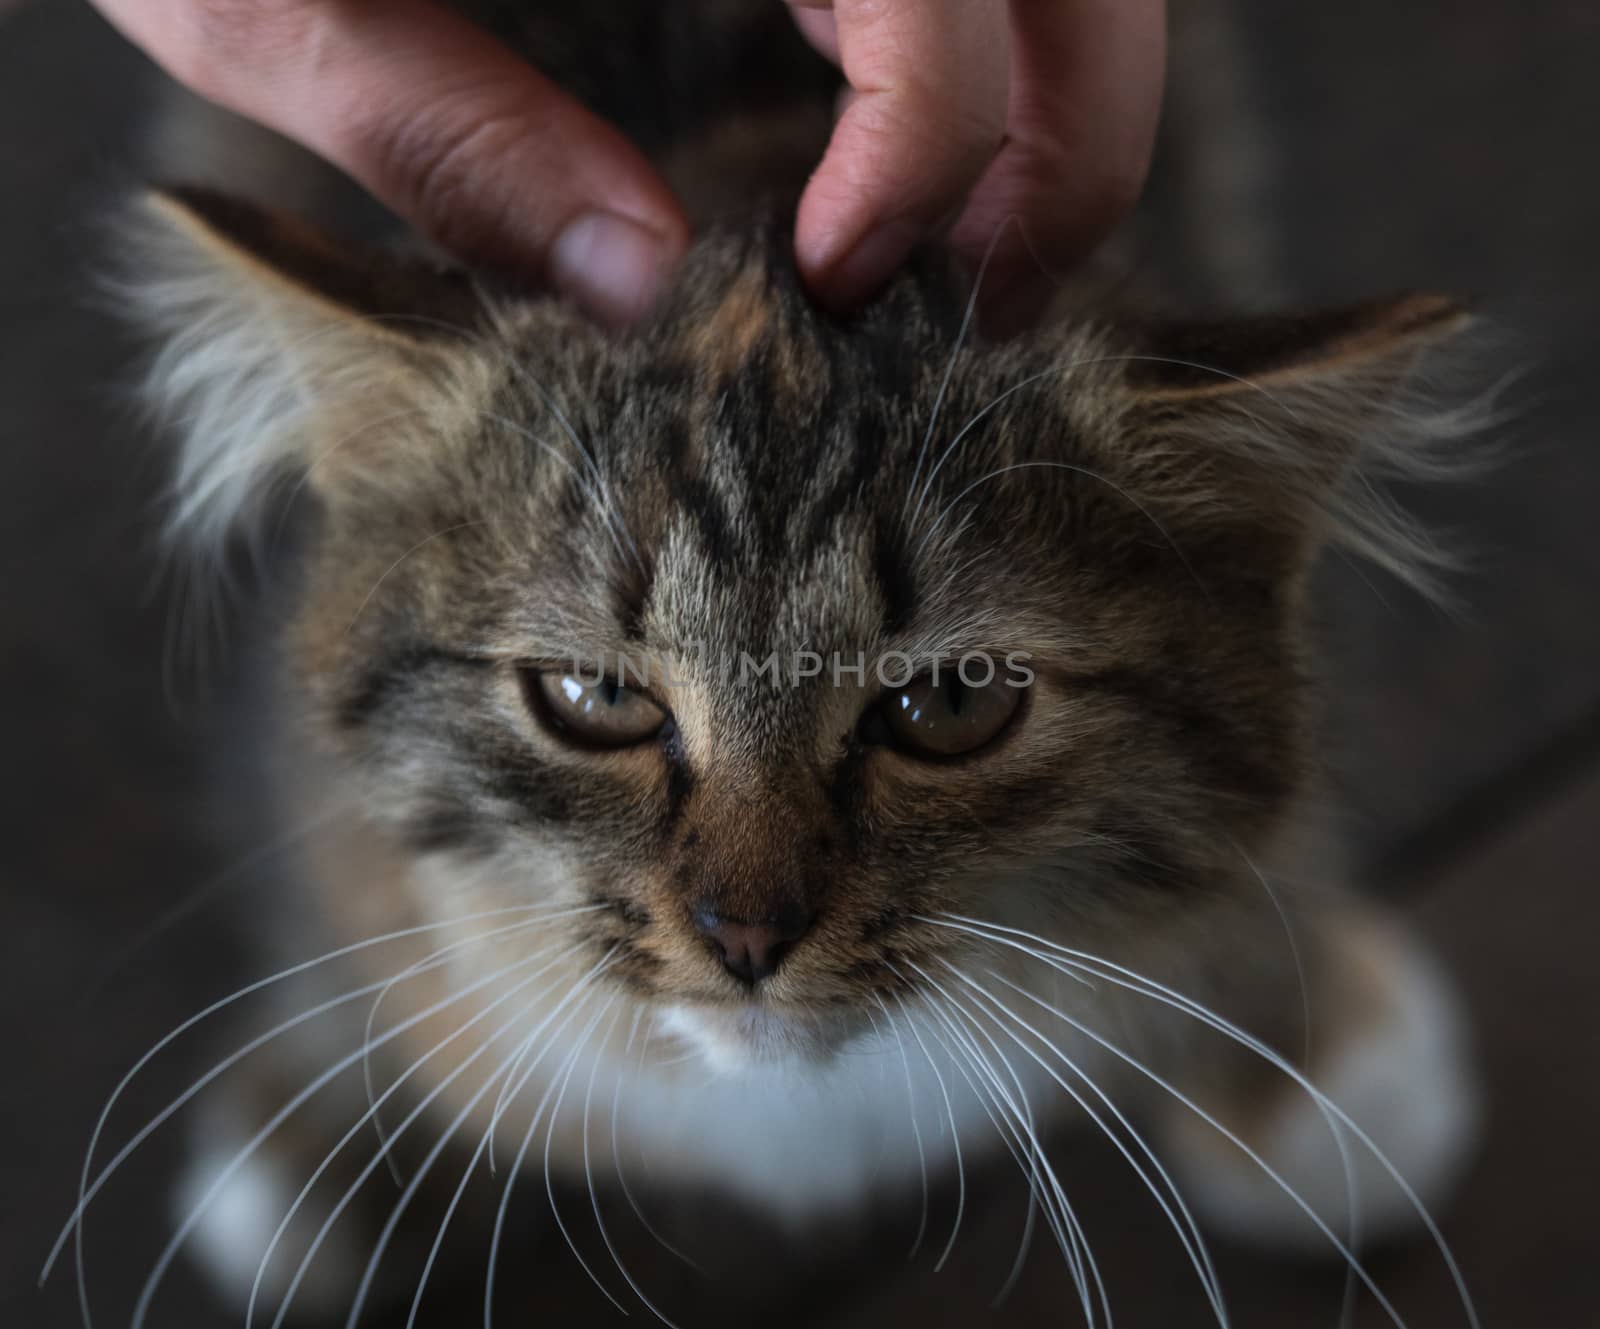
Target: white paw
x=1402, y=1075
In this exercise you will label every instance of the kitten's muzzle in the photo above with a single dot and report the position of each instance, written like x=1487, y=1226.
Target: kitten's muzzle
x=752, y=951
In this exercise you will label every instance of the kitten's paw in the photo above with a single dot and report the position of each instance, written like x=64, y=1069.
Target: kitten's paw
x=1391, y=1053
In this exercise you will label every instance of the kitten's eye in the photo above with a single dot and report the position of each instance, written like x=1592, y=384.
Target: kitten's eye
x=601, y=714
x=943, y=719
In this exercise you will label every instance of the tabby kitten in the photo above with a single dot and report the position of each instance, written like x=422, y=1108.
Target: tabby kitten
x=844, y=741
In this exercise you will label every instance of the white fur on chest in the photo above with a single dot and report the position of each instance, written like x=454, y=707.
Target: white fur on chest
x=800, y=1137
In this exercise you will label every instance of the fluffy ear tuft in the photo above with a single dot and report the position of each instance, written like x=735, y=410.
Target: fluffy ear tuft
x=1302, y=419
x=1376, y=341
x=275, y=345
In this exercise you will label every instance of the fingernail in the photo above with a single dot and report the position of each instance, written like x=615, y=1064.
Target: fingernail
x=613, y=267
x=868, y=265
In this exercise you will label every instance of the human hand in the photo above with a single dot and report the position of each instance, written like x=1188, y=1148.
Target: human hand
x=1022, y=124
x=441, y=122
x=977, y=110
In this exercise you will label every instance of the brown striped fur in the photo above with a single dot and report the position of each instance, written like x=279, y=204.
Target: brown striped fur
x=762, y=466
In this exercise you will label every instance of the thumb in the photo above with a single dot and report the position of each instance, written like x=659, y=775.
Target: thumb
x=449, y=128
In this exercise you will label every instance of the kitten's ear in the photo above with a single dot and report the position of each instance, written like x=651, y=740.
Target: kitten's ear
x=1284, y=422
x=275, y=344
x=1374, y=345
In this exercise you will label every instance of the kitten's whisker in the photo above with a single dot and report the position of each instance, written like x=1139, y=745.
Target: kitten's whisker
x=872, y=1050
x=1352, y=1225
x=1077, y=470
x=1109, y=971
x=1192, y=1240
x=1101, y=840
x=601, y=504
x=692, y=1054
x=1065, y=1231
x=588, y=1175
x=322, y=456
x=87, y=1192
x=1024, y=1249
x=1197, y=1252
x=386, y=1235
x=955, y=1136
x=616, y=1148
x=527, y=1139
x=426, y=962
x=1065, y=1226
x=978, y=1025
x=950, y=365
x=1294, y=947
x=1261, y=1163
x=427, y=1166
x=504, y=1073
x=514, y=1171
x=170, y=1251
x=1083, y=363
x=549, y=1185
x=1266, y=1168
x=1052, y=372
x=916, y=1128
x=386, y=1144
x=461, y=1186
x=507, y=1092
x=388, y=572
x=607, y=504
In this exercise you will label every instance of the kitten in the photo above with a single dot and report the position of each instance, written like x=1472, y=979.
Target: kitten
x=842, y=739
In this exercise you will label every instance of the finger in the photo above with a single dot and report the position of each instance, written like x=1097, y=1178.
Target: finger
x=929, y=79
x=441, y=122
x=816, y=23
x=1086, y=78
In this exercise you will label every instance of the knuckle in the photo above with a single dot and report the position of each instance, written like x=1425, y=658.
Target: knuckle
x=433, y=171
x=974, y=124
x=973, y=131
x=951, y=142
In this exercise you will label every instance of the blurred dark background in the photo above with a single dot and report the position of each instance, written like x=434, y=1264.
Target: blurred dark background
x=1315, y=152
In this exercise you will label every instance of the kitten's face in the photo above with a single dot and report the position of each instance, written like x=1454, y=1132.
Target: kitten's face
x=763, y=522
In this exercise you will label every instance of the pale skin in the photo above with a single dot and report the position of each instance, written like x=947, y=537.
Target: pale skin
x=1025, y=125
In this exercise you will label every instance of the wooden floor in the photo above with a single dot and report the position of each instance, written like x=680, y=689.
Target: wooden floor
x=1408, y=149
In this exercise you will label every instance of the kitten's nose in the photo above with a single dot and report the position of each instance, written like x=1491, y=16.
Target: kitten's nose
x=753, y=951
